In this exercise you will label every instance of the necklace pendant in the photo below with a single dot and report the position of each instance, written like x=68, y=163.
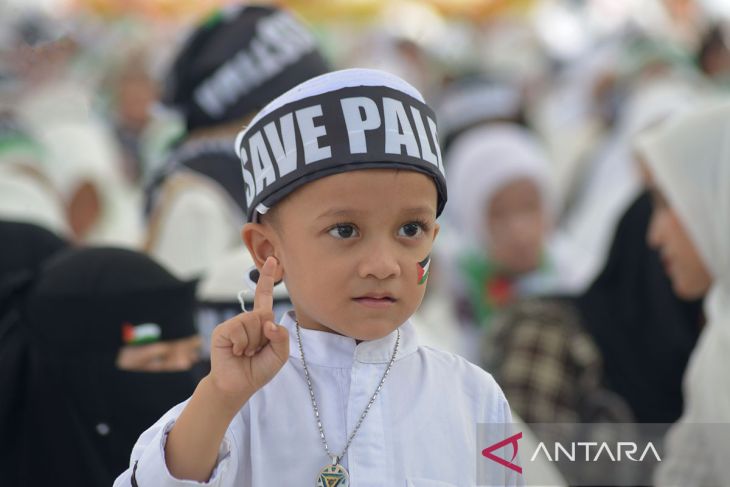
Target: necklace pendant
x=333, y=475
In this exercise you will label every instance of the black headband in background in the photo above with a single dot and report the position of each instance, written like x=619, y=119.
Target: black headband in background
x=360, y=127
x=237, y=61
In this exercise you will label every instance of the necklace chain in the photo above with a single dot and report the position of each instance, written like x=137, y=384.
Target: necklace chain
x=336, y=458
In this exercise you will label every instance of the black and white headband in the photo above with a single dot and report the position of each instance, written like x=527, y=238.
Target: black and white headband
x=340, y=121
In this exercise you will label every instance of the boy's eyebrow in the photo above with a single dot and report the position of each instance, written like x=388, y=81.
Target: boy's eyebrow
x=339, y=212
x=345, y=212
x=420, y=209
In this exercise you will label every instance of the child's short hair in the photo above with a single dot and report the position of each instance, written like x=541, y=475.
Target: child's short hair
x=340, y=121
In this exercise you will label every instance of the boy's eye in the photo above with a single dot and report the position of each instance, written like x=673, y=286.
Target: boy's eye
x=343, y=231
x=410, y=230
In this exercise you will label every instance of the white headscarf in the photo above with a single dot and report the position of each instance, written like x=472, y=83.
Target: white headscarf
x=481, y=162
x=25, y=198
x=26, y=194
x=83, y=151
x=690, y=160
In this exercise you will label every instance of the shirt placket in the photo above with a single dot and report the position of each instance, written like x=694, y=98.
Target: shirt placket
x=366, y=454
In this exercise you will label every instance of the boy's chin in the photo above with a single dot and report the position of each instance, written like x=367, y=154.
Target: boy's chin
x=369, y=329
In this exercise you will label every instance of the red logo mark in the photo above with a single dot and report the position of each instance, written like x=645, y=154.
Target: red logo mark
x=487, y=452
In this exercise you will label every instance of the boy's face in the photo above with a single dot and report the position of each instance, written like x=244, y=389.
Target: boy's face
x=349, y=246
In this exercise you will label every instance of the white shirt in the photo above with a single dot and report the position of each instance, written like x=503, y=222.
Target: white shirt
x=420, y=431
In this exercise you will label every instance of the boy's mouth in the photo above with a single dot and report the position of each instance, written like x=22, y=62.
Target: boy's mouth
x=375, y=300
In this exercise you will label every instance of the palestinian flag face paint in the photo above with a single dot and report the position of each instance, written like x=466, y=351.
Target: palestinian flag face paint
x=140, y=334
x=423, y=268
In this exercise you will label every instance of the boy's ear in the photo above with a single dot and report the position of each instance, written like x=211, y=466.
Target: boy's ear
x=436, y=229
x=261, y=241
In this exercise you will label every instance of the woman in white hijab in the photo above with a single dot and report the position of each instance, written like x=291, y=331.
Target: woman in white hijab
x=689, y=162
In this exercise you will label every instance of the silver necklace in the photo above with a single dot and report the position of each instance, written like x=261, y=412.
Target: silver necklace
x=334, y=474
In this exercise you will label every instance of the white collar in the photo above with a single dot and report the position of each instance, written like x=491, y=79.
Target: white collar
x=332, y=350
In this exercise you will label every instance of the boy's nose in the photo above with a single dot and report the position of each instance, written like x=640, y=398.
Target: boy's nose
x=379, y=262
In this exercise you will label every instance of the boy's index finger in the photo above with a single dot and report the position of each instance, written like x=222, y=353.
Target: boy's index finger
x=263, y=299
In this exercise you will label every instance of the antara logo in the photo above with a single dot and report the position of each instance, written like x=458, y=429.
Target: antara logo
x=592, y=452
x=487, y=452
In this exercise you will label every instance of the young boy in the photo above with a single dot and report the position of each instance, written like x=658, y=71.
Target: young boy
x=344, y=181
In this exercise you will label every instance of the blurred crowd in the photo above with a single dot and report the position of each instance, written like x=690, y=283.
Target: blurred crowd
x=122, y=201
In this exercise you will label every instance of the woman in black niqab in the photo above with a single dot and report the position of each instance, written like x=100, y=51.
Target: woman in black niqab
x=74, y=415
x=644, y=331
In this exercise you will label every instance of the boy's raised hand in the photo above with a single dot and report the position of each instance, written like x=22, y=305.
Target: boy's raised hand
x=248, y=350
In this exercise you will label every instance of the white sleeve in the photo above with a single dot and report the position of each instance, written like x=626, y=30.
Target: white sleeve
x=494, y=418
x=510, y=477
x=147, y=466
x=688, y=459
x=196, y=229
x=499, y=415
